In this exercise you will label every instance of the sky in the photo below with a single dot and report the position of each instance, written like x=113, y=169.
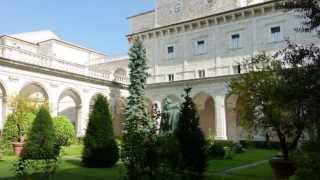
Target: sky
x=96, y=24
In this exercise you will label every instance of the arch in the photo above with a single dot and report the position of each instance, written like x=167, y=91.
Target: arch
x=206, y=108
x=35, y=92
x=232, y=117
x=69, y=105
x=3, y=106
x=119, y=110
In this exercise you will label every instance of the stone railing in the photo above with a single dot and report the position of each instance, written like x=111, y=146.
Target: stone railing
x=28, y=57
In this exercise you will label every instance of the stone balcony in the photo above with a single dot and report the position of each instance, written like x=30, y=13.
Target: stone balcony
x=28, y=57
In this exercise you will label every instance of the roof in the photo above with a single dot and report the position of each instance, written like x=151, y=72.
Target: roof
x=36, y=36
x=140, y=14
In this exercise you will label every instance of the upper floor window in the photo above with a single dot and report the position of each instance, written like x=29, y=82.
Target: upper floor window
x=170, y=52
x=235, y=41
x=200, y=47
x=276, y=34
x=171, y=77
x=202, y=73
x=237, y=69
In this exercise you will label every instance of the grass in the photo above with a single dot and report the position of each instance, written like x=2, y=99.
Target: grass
x=70, y=167
x=260, y=171
x=240, y=159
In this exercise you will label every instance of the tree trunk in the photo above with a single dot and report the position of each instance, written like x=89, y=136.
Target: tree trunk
x=283, y=143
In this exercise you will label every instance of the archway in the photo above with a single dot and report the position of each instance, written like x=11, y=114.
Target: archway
x=69, y=105
x=35, y=93
x=232, y=118
x=206, y=109
x=119, y=110
x=3, y=106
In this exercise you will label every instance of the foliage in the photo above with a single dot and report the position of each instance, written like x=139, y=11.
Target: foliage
x=39, y=156
x=138, y=126
x=302, y=74
x=308, y=163
x=191, y=141
x=264, y=101
x=100, y=147
x=237, y=148
x=309, y=11
x=11, y=131
x=20, y=119
x=65, y=132
x=216, y=151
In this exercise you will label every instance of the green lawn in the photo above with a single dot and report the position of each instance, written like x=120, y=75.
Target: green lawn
x=240, y=159
x=70, y=167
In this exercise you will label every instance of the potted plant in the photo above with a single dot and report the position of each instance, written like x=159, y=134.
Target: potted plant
x=267, y=100
x=18, y=123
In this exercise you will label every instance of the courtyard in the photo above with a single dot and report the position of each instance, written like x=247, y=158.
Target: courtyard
x=250, y=165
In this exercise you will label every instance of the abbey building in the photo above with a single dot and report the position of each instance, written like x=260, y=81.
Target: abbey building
x=201, y=43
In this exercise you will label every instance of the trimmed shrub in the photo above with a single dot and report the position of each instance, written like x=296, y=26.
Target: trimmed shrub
x=216, y=151
x=38, y=160
x=191, y=141
x=10, y=131
x=100, y=147
x=65, y=132
x=237, y=148
x=41, y=138
x=224, y=143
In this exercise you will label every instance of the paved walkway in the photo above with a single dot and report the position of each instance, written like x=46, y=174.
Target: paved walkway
x=228, y=171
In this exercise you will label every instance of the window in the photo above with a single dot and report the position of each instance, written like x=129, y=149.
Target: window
x=170, y=52
x=235, y=41
x=201, y=47
x=237, y=69
x=202, y=74
x=171, y=77
x=276, y=34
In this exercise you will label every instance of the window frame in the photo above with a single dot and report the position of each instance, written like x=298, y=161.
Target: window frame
x=170, y=55
x=232, y=44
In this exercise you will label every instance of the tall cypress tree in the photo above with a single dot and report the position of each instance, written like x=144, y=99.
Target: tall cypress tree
x=138, y=126
x=100, y=147
x=190, y=140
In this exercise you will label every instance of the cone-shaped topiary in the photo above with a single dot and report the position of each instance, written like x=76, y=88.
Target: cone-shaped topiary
x=100, y=147
x=41, y=138
x=191, y=140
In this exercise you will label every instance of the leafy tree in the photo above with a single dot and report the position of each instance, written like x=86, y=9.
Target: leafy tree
x=265, y=101
x=39, y=157
x=21, y=106
x=309, y=10
x=139, y=129
x=301, y=73
x=100, y=147
x=191, y=141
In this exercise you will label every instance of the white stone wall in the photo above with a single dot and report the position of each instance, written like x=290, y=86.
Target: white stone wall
x=13, y=80
x=255, y=37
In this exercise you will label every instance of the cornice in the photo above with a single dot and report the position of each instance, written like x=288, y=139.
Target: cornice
x=207, y=21
x=191, y=82
x=58, y=73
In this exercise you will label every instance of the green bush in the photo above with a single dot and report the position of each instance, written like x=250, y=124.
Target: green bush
x=224, y=143
x=237, y=148
x=308, y=163
x=100, y=147
x=191, y=141
x=41, y=138
x=216, y=151
x=38, y=160
x=10, y=131
x=65, y=132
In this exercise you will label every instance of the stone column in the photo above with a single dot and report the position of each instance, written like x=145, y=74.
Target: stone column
x=83, y=116
x=221, y=123
x=2, y=117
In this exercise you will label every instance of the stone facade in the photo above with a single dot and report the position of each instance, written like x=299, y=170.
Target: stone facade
x=203, y=43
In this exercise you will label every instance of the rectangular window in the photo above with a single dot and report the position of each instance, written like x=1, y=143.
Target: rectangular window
x=237, y=69
x=201, y=47
x=171, y=77
x=202, y=74
x=235, y=41
x=276, y=34
x=170, y=52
